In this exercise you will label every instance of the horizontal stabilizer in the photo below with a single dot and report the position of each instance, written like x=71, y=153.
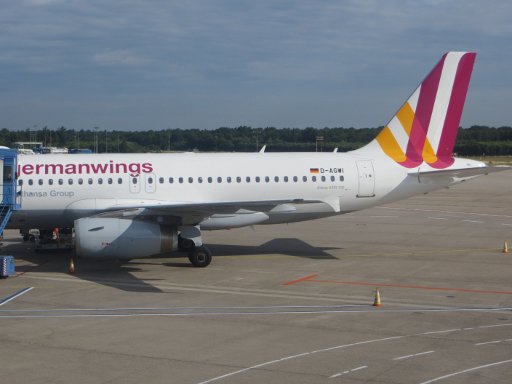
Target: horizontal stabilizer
x=460, y=173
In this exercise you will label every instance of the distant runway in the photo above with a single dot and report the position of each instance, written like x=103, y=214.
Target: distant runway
x=282, y=304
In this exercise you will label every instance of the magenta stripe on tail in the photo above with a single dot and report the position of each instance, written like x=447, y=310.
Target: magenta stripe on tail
x=454, y=112
x=422, y=116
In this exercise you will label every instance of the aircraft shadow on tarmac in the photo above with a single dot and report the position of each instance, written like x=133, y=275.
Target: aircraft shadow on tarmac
x=284, y=246
x=119, y=275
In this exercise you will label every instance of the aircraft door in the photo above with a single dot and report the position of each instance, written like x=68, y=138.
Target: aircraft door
x=134, y=184
x=150, y=182
x=366, y=178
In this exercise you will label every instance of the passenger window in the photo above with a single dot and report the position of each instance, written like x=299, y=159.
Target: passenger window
x=304, y=178
x=30, y=182
x=50, y=181
x=323, y=178
x=190, y=180
x=276, y=179
x=161, y=180
x=110, y=180
x=135, y=180
x=89, y=181
x=40, y=181
x=20, y=182
x=228, y=179
x=60, y=182
x=100, y=181
x=119, y=180
x=180, y=180
x=313, y=178
x=200, y=180
x=333, y=178
x=238, y=179
x=219, y=179
x=285, y=179
x=247, y=179
x=70, y=181
x=342, y=178
x=171, y=180
x=267, y=179
x=210, y=179
x=150, y=180
x=257, y=178
x=80, y=181
x=295, y=178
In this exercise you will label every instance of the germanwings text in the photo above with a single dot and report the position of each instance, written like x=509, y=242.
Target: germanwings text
x=84, y=168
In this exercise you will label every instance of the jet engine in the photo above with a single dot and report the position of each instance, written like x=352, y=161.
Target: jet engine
x=122, y=238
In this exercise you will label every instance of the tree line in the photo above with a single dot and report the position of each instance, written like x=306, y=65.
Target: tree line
x=473, y=141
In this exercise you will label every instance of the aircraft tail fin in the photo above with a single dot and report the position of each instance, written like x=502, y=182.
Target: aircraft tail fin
x=425, y=128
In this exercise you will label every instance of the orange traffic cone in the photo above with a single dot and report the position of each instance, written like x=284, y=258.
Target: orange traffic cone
x=71, y=269
x=505, y=247
x=377, y=302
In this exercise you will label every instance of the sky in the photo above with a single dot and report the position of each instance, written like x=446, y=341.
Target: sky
x=159, y=64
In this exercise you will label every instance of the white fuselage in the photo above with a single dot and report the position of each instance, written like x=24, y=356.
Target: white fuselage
x=58, y=189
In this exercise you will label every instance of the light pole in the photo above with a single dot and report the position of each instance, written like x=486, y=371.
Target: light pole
x=319, y=139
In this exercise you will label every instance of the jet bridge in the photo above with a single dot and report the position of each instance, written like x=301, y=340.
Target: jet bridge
x=10, y=200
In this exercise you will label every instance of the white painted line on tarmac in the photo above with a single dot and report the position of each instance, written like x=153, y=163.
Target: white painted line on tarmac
x=294, y=356
x=445, y=331
x=345, y=372
x=506, y=224
x=494, y=342
x=383, y=217
x=183, y=308
x=489, y=342
x=442, y=211
x=473, y=221
x=494, y=325
x=236, y=311
x=14, y=296
x=340, y=347
x=466, y=371
x=414, y=355
x=438, y=218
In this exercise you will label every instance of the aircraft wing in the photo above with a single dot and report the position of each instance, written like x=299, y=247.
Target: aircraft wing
x=193, y=212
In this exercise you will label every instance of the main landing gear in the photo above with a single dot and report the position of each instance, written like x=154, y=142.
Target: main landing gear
x=199, y=256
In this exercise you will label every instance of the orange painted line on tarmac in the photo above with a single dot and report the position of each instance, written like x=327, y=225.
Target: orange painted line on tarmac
x=302, y=279
x=309, y=279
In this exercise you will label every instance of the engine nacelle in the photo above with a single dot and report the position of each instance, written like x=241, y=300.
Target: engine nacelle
x=122, y=239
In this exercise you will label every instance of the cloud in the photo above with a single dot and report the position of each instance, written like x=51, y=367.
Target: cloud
x=323, y=60
x=44, y=2
x=119, y=57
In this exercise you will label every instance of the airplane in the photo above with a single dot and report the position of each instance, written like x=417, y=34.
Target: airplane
x=126, y=206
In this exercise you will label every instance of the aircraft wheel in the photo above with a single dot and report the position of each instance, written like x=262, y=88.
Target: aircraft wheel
x=200, y=257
